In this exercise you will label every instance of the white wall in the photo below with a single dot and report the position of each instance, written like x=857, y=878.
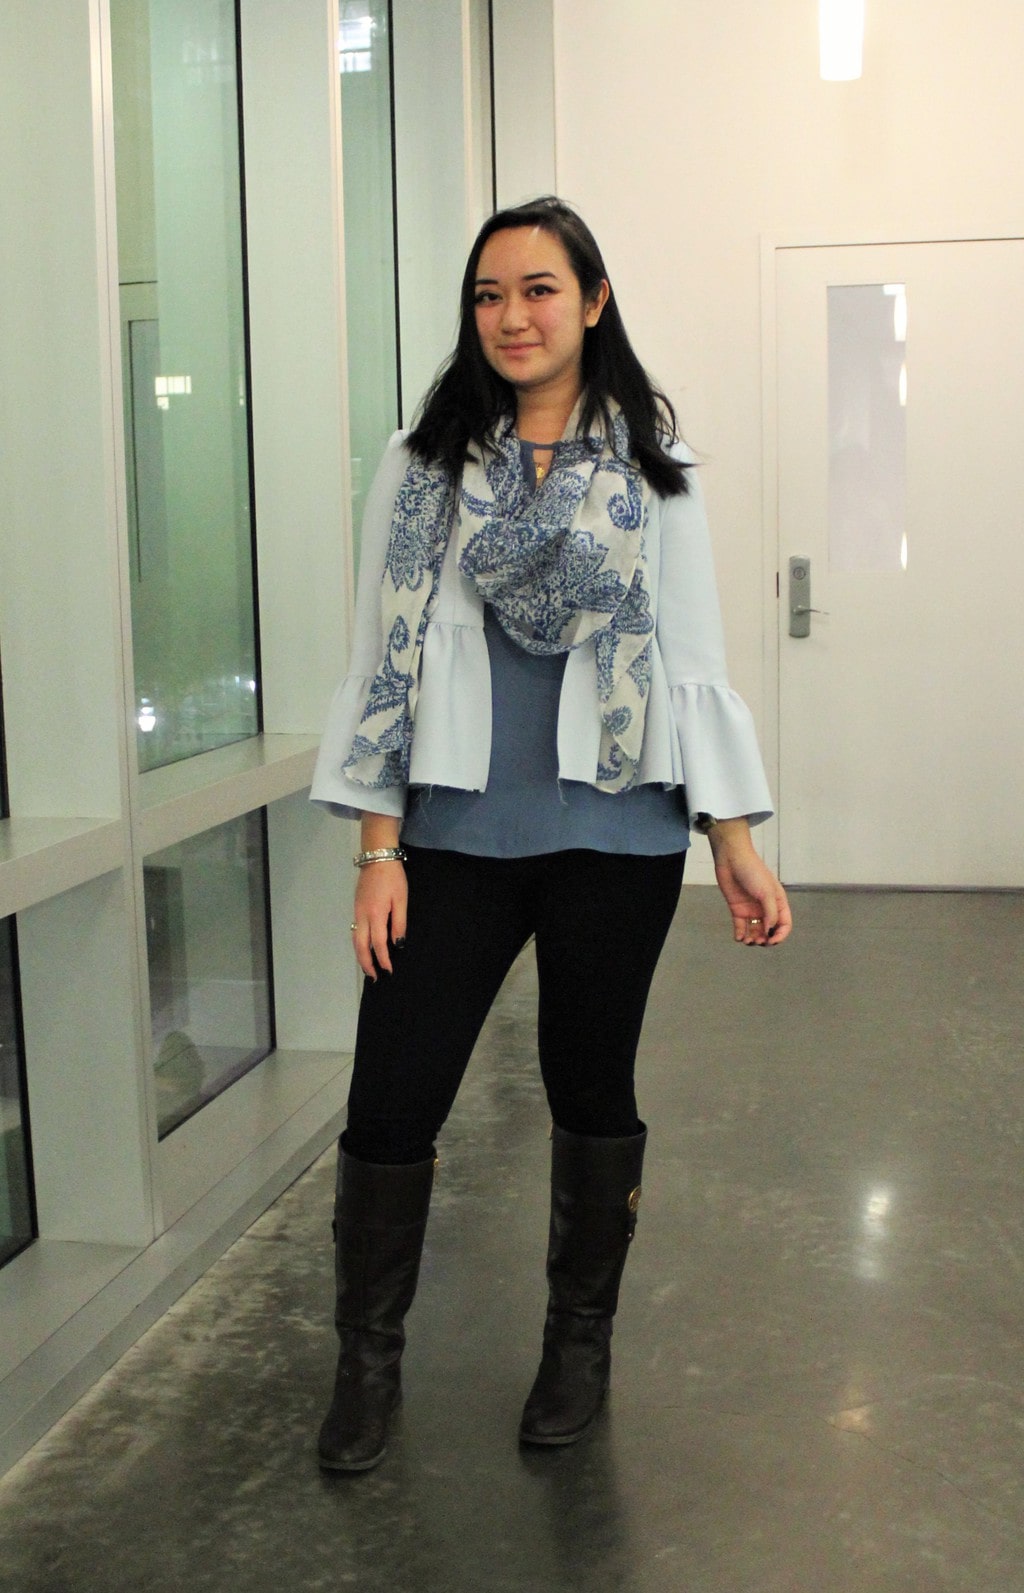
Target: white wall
x=686, y=129
x=524, y=102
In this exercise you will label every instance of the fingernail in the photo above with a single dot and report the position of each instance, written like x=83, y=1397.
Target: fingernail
x=400, y=943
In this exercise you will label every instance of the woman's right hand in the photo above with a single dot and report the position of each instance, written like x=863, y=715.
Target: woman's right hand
x=382, y=895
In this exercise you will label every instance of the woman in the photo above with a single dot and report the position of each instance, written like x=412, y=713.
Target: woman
x=537, y=712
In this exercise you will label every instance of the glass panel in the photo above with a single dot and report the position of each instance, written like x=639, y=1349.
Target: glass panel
x=184, y=353
x=17, y=1217
x=209, y=964
x=369, y=238
x=4, y=807
x=867, y=427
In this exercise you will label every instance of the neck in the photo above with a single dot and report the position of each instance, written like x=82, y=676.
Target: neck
x=542, y=417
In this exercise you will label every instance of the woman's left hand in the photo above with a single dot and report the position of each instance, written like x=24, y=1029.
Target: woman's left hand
x=756, y=900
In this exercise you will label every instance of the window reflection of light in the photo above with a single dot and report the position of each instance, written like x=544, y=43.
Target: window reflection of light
x=897, y=291
x=854, y=1419
x=874, y=1231
x=168, y=387
x=146, y=716
x=899, y=318
x=355, y=42
x=903, y=552
x=903, y=385
x=854, y=1405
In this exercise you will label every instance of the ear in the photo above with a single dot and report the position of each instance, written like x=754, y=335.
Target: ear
x=594, y=306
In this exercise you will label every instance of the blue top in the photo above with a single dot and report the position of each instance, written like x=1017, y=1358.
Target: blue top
x=524, y=810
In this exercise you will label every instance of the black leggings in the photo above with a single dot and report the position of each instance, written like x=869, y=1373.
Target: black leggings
x=600, y=921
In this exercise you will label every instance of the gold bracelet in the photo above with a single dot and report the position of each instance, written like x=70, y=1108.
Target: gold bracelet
x=382, y=854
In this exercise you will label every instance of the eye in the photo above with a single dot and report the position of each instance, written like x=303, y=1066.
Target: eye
x=485, y=296
x=539, y=290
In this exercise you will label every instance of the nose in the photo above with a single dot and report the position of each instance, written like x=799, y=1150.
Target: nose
x=515, y=313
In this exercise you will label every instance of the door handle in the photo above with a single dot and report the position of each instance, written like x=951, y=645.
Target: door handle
x=800, y=609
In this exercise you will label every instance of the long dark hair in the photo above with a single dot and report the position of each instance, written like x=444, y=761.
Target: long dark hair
x=468, y=399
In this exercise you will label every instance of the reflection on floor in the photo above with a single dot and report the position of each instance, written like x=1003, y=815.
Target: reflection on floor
x=819, y=1377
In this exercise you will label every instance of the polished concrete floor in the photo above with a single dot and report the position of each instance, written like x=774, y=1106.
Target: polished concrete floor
x=819, y=1379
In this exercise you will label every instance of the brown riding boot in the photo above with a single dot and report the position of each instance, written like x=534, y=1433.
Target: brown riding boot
x=380, y=1218
x=595, y=1191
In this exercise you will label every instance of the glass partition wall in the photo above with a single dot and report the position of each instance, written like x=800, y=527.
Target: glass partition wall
x=209, y=964
x=17, y=1216
x=4, y=808
x=17, y=1213
x=178, y=169
x=178, y=161
x=367, y=88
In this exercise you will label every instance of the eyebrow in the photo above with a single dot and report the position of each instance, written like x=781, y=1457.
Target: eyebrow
x=531, y=276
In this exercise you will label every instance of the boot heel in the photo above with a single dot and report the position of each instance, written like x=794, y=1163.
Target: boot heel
x=353, y=1441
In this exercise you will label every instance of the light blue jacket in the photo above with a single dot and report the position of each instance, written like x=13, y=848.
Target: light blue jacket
x=698, y=732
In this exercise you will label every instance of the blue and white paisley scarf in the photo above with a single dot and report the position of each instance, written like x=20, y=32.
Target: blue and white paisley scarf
x=559, y=567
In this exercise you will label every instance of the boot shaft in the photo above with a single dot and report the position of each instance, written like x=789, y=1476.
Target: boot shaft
x=380, y=1220
x=595, y=1195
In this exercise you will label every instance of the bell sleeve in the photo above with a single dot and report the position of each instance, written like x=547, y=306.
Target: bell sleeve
x=331, y=786
x=723, y=772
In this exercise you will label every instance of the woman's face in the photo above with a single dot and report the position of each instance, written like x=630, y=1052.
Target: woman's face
x=530, y=312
